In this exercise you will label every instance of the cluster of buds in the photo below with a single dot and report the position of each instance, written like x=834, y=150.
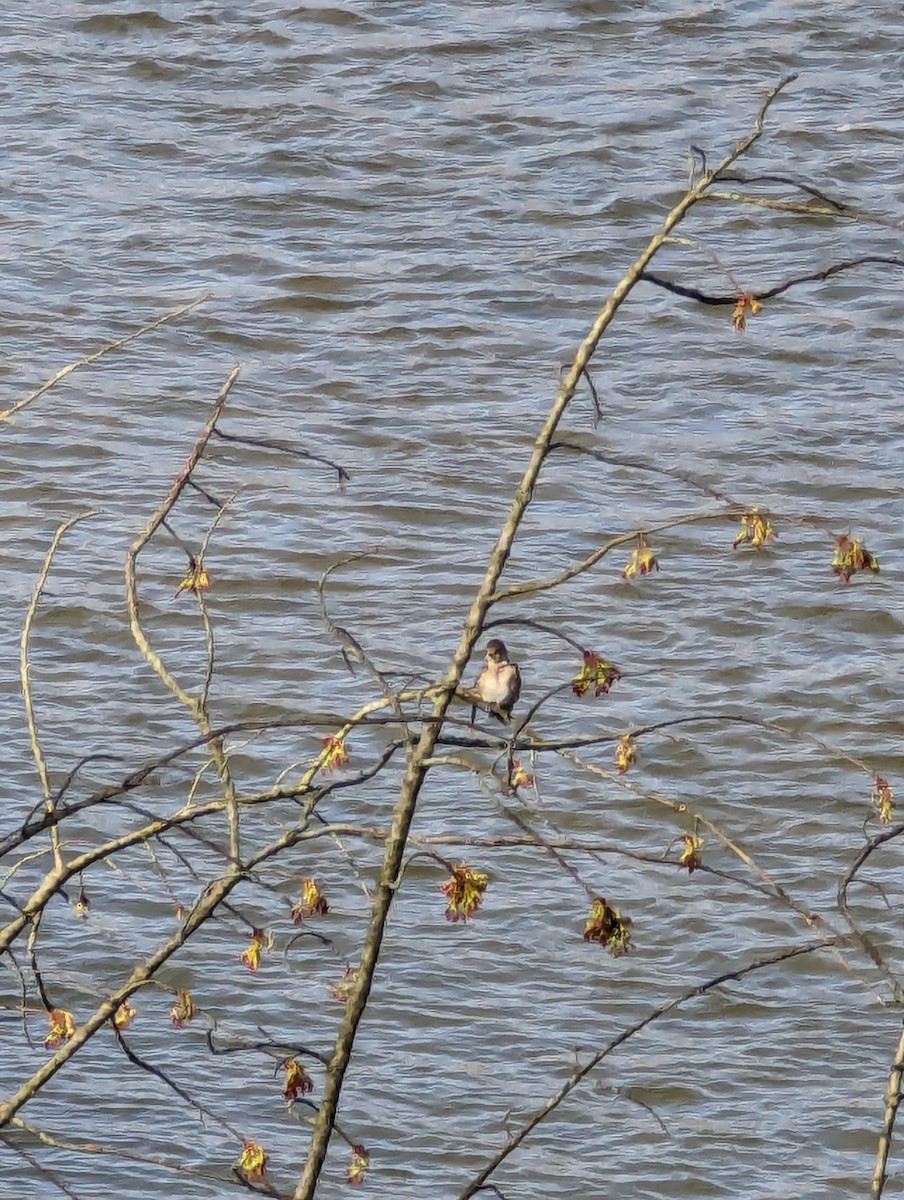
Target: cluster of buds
x=183, y=1010
x=334, y=754
x=61, y=1027
x=883, y=798
x=342, y=989
x=464, y=892
x=746, y=303
x=124, y=1015
x=297, y=1081
x=756, y=530
x=596, y=672
x=850, y=557
x=312, y=903
x=252, y=1162
x=251, y=955
x=197, y=580
x=690, y=855
x=625, y=753
x=358, y=1165
x=606, y=926
x=642, y=561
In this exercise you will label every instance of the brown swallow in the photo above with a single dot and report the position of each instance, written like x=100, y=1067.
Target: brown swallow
x=499, y=682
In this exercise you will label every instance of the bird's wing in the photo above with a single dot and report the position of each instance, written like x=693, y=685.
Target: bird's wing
x=481, y=680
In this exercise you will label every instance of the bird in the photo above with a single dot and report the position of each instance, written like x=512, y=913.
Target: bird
x=499, y=683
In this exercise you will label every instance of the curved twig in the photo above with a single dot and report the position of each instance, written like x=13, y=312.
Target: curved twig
x=342, y=476
x=38, y=754
x=680, y=289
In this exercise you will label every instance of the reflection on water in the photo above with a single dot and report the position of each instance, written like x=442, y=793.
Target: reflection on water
x=408, y=215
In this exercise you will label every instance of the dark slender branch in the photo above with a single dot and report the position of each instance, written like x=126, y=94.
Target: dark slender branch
x=342, y=476
x=865, y=941
x=578, y=1075
x=692, y=293
x=271, y=1047
x=350, y=647
x=740, y=177
x=539, y=625
x=420, y=756
x=614, y=460
x=53, y=883
x=136, y=1060
x=211, y=499
x=10, y=961
x=35, y=923
x=184, y=546
x=70, y=778
x=45, y=1172
x=595, y=397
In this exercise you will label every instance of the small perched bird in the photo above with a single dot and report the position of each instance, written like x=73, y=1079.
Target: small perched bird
x=499, y=682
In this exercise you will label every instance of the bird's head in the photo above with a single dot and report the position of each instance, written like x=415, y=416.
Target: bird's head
x=496, y=651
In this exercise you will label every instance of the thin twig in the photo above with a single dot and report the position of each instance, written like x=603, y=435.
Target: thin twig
x=44, y=1172
x=90, y=358
x=823, y=273
x=739, y=177
x=865, y=941
x=581, y=1073
x=342, y=476
x=530, y=586
x=196, y=704
x=38, y=754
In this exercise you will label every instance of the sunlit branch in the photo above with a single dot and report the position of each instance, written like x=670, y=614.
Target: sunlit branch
x=350, y=647
x=93, y=357
x=54, y=881
x=207, y=903
x=806, y=209
x=836, y=206
x=93, y=1147
x=893, y=1093
x=197, y=704
x=530, y=587
x=204, y=694
x=24, y=665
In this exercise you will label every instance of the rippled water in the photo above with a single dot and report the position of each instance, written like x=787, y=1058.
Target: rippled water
x=408, y=215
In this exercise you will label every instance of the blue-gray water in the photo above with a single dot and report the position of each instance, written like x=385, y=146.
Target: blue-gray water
x=408, y=215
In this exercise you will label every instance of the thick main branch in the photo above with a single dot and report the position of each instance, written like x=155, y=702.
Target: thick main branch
x=418, y=764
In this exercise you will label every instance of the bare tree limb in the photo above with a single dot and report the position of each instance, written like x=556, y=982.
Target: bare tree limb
x=416, y=770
